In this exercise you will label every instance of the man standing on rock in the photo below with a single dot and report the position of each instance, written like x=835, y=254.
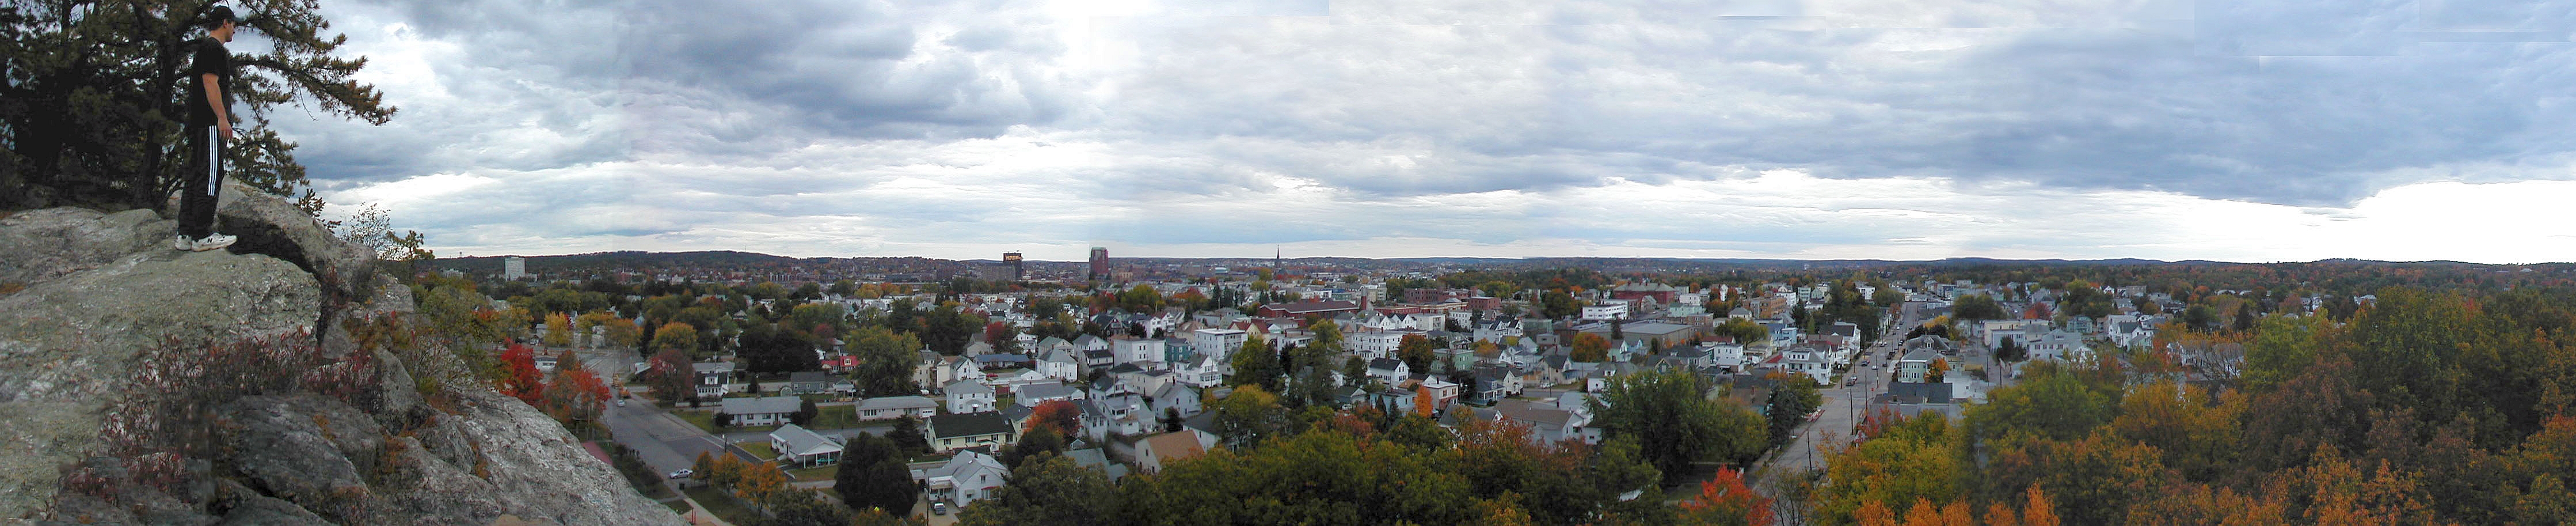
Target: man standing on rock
x=210, y=98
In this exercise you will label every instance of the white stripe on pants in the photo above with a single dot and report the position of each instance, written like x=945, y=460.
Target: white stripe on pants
x=214, y=147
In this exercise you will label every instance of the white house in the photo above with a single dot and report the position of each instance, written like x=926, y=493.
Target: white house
x=1216, y=342
x=768, y=411
x=804, y=447
x=1207, y=372
x=969, y=396
x=1153, y=452
x=893, y=407
x=964, y=479
x=1391, y=370
x=1060, y=364
x=1139, y=351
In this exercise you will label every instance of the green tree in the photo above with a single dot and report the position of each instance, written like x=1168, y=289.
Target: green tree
x=1417, y=352
x=1558, y=304
x=907, y=436
x=1247, y=415
x=1048, y=490
x=95, y=89
x=1787, y=407
x=886, y=361
x=1675, y=423
x=873, y=475
x=1974, y=307
x=799, y=507
x=2055, y=405
x=1255, y=364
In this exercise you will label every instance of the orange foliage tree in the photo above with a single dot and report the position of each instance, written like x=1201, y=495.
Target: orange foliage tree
x=1726, y=500
x=1058, y=414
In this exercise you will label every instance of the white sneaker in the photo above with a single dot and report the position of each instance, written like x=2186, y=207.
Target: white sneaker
x=181, y=242
x=212, y=242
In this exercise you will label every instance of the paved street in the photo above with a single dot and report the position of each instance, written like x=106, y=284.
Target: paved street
x=663, y=441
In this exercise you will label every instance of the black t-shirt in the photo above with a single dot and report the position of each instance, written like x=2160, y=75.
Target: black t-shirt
x=211, y=58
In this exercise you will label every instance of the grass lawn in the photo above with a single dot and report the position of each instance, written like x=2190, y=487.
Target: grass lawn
x=835, y=417
x=814, y=474
x=677, y=506
x=722, y=504
x=759, y=450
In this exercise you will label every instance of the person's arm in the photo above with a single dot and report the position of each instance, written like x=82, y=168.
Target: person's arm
x=215, y=99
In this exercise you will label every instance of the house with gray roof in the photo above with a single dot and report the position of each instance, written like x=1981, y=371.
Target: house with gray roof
x=970, y=396
x=768, y=411
x=804, y=447
x=1037, y=393
x=893, y=407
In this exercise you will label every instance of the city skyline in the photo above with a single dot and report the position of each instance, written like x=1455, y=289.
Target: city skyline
x=1776, y=130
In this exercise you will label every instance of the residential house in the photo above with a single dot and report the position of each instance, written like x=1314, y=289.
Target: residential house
x=1060, y=364
x=1916, y=366
x=990, y=362
x=963, y=479
x=714, y=379
x=1493, y=384
x=803, y=447
x=808, y=382
x=1090, y=343
x=1550, y=421
x=1813, y=361
x=1394, y=401
x=1216, y=343
x=968, y=396
x=1202, y=372
x=1094, y=458
x=1391, y=370
x=1143, y=352
x=954, y=431
x=893, y=407
x=1038, y=393
x=1121, y=413
x=1174, y=396
x=767, y=411
x=1008, y=381
x=1157, y=451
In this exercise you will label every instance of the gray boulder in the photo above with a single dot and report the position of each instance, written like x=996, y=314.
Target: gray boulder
x=69, y=346
x=273, y=226
x=45, y=244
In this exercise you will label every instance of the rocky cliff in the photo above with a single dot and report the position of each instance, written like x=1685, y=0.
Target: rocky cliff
x=258, y=385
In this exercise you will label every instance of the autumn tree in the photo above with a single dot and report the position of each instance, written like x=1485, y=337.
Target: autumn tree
x=1589, y=347
x=671, y=376
x=677, y=336
x=1060, y=416
x=1417, y=352
x=1725, y=500
x=519, y=377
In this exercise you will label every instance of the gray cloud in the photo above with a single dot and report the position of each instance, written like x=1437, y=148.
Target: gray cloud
x=1208, y=123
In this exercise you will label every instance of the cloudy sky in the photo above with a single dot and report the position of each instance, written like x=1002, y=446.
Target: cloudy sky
x=1896, y=129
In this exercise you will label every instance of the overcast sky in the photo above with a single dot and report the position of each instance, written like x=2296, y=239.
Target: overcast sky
x=1899, y=129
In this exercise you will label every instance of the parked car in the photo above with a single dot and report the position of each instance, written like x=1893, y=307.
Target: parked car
x=1813, y=415
x=681, y=474
x=1848, y=382
x=621, y=402
x=939, y=508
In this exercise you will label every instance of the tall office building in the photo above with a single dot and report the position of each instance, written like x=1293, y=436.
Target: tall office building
x=1099, y=263
x=513, y=268
x=1017, y=272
